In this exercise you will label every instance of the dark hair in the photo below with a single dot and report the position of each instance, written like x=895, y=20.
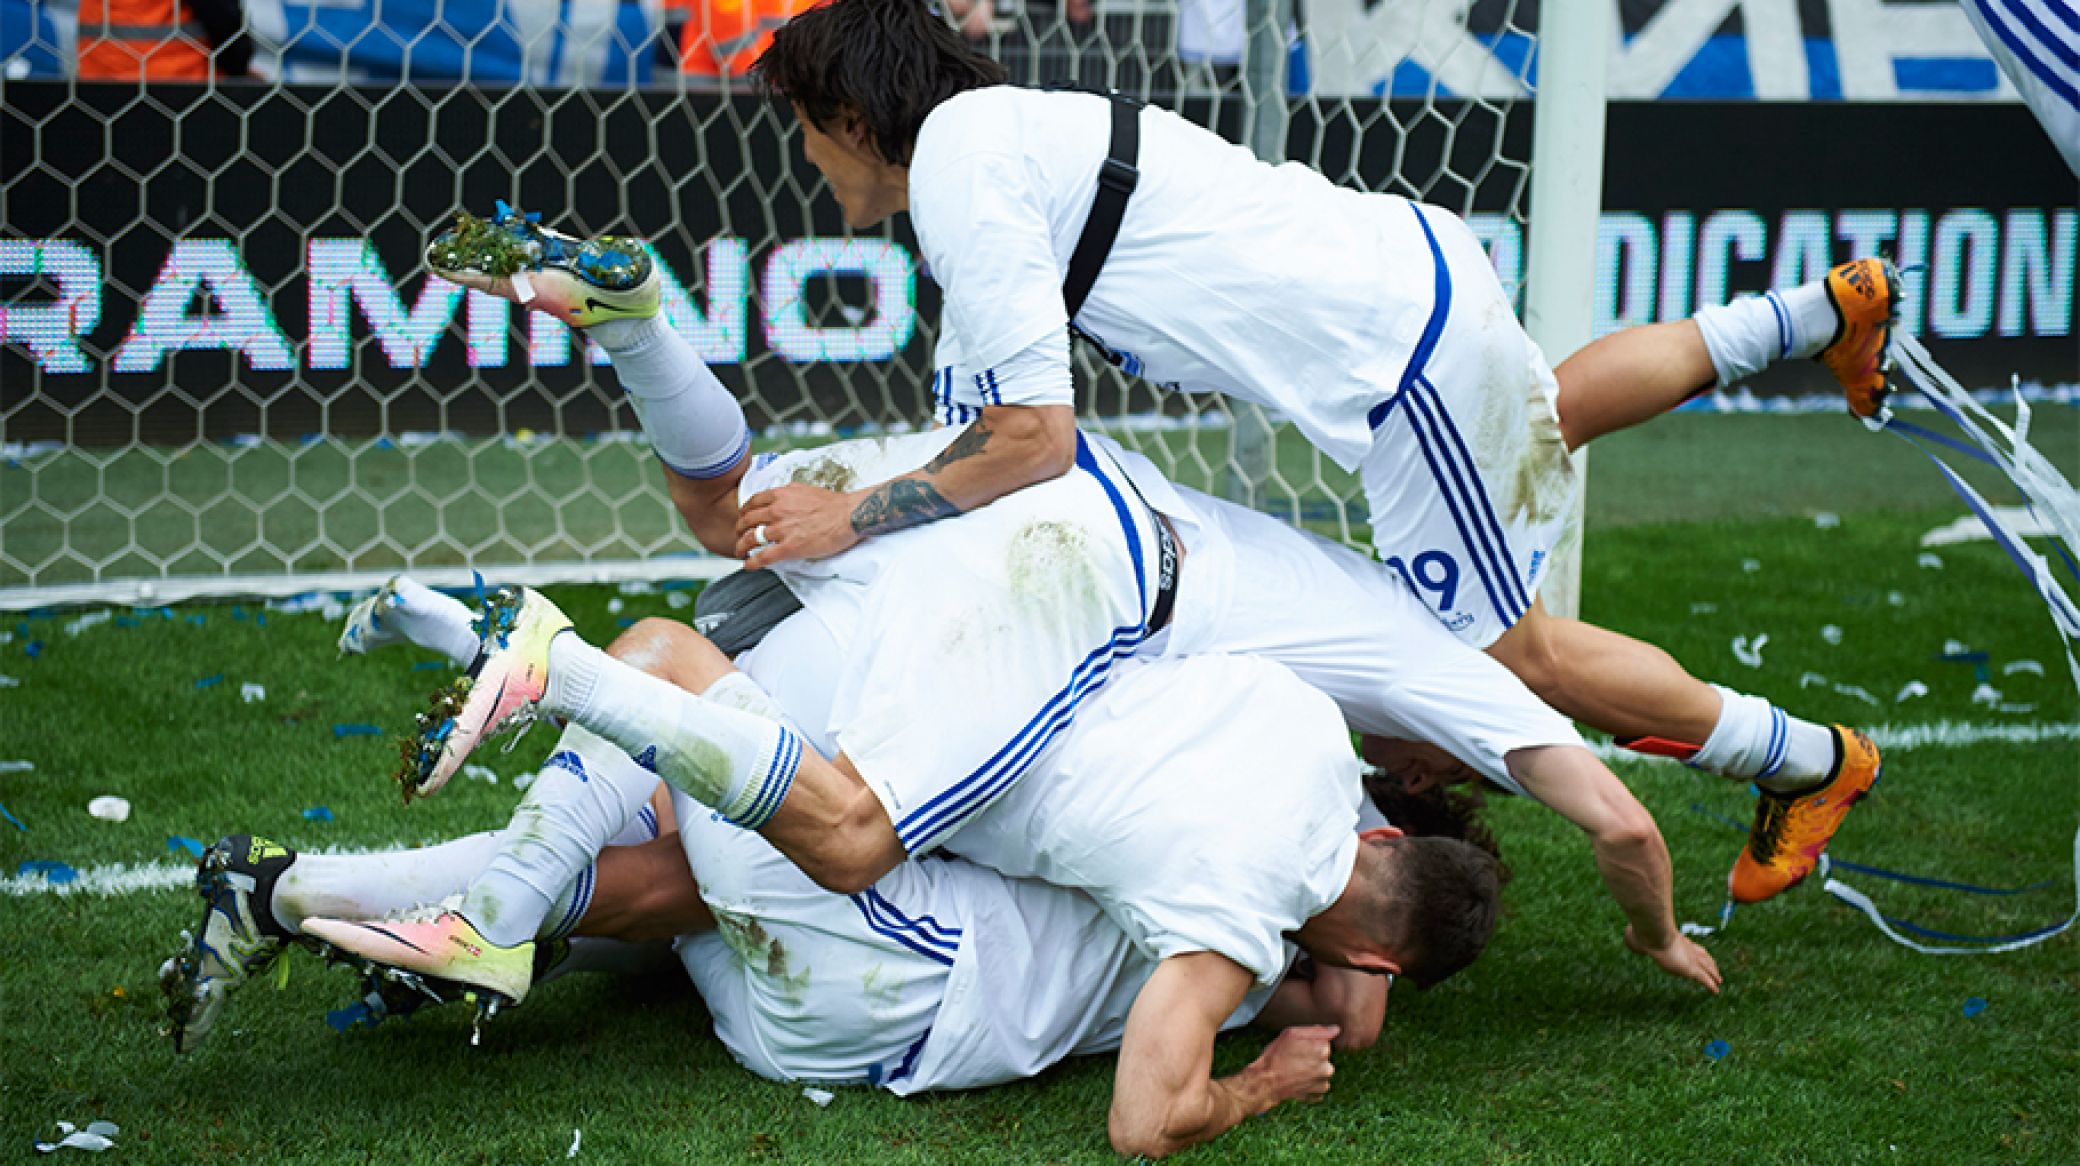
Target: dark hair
x=1439, y=905
x=888, y=62
x=1437, y=811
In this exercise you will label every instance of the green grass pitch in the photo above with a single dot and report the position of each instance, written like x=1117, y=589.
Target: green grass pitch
x=1557, y=1046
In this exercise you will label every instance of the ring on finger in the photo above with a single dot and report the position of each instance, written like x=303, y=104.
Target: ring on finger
x=758, y=535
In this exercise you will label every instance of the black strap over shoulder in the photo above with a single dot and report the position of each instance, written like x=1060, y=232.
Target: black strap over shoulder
x=1116, y=181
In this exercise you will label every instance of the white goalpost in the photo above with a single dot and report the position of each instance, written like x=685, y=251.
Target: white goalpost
x=224, y=369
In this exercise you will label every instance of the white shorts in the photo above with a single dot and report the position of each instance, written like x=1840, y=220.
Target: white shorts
x=980, y=636
x=1350, y=627
x=808, y=985
x=1470, y=485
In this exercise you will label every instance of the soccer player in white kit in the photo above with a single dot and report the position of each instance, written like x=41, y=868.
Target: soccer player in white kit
x=945, y=975
x=1374, y=324
x=1138, y=805
x=1359, y=635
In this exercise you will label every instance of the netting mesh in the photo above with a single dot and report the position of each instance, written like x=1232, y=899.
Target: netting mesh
x=224, y=359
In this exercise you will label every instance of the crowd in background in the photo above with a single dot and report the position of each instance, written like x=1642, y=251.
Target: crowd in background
x=1172, y=45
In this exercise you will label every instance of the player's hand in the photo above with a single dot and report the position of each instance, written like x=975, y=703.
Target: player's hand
x=1683, y=958
x=1296, y=1065
x=797, y=522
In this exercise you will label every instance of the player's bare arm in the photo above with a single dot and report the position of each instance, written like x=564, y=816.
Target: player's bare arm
x=1630, y=853
x=1164, y=1096
x=1007, y=448
x=1351, y=1001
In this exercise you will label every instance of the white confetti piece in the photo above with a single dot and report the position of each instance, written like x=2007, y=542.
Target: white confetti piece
x=1912, y=689
x=17, y=766
x=2014, y=666
x=252, y=693
x=822, y=1097
x=1697, y=930
x=98, y=1136
x=1896, y=598
x=1986, y=694
x=1928, y=561
x=1859, y=693
x=109, y=808
x=1827, y=520
x=9, y=682
x=677, y=600
x=1747, y=652
x=1812, y=680
x=1831, y=634
x=637, y=587
x=481, y=773
x=615, y=605
x=1703, y=608
x=2009, y=707
x=577, y=1138
x=521, y=782
x=1751, y=565
x=1956, y=648
x=91, y=619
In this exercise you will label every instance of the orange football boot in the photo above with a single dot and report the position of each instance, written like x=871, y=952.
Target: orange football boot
x=1865, y=294
x=1791, y=830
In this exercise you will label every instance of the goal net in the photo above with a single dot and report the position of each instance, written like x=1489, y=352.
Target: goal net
x=225, y=369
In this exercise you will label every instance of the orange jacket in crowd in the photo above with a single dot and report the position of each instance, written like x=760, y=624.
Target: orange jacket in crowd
x=161, y=40
x=723, y=37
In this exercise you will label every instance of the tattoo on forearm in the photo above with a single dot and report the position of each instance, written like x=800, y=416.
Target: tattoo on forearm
x=897, y=505
x=968, y=444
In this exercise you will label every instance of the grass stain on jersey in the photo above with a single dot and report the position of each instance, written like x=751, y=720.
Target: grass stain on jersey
x=1051, y=561
x=827, y=472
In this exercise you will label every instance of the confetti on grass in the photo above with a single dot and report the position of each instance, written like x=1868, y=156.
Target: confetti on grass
x=1717, y=1050
x=1974, y=1006
x=356, y=730
x=317, y=814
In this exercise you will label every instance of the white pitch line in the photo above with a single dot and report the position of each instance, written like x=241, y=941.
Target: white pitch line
x=119, y=878
x=125, y=879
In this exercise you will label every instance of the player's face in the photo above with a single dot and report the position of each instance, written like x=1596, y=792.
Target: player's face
x=867, y=188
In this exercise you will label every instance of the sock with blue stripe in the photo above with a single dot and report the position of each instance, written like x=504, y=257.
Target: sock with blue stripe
x=539, y=882
x=1754, y=332
x=736, y=762
x=1759, y=742
x=693, y=423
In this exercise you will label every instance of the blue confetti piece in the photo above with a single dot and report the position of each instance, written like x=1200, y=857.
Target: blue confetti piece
x=198, y=620
x=1974, y=1006
x=1717, y=1049
x=128, y=621
x=11, y=818
x=210, y=681
x=33, y=649
x=238, y=613
x=260, y=619
x=56, y=874
x=429, y=665
x=1754, y=791
x=317, y=814
x=625, y=622
x=181, y=842
x=339, y=731
x=353, y=1016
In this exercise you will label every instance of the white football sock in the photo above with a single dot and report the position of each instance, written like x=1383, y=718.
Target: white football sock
x=694, y=424
x=372, y=886
x=1754, y=332
x=539, y=882
x=431, y=620
x=736, y=762
x=1757, y=741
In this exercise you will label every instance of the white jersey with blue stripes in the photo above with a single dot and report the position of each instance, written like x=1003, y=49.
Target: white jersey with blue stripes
x=2037, y=43
x=1268, y=283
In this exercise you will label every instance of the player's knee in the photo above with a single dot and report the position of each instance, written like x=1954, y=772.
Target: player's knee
x=670, y=650
x=1529, y=651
